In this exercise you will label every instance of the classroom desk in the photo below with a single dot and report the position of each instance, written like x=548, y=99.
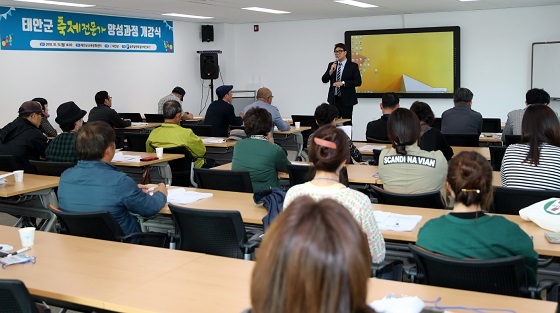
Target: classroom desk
x=291, y=139
x=490, y=138
x=357, y=173
x=161, y=164
x=251, y=212
x=137, y=126
x=221, y=152
x=32, y=185
x=484, y=151
x=121, y=277
x=339, y=121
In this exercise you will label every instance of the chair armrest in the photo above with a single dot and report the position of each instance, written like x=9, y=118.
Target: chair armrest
x=392, y=270
x=147, y=239
x=551, y=287
x=413, y=274
x=251, y=244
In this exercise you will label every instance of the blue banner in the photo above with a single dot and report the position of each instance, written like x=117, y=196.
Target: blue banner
x=25, y=29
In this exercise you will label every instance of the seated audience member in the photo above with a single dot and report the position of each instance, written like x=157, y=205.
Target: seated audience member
x=326, y=114
x=535, y=162
x=467, y=232
x=405, y=168
x=171, y=134
x=514, y=118
x=45, y=126
x=431, y=138
x=220, y=113
x=461, y=119
x=103, y=112
x=377, y=130
x=313, y=259
x=257, y=153
x=95, y=185
x=329, y=152
x=22, y=137
x=63, y=148
x=176, y=94
x=264, y=101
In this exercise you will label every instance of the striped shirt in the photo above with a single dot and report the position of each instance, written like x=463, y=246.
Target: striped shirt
x=517, y=173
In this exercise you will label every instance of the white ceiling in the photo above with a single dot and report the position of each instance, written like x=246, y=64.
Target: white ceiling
x=229, y=11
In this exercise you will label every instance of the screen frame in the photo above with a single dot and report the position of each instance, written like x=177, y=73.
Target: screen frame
x=456, y=30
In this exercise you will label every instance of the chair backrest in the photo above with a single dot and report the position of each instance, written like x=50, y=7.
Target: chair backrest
x=154, y=118
x=242, y=127
x=505, y=276
x=496, y=156
x=462, y=140
x=437, y=123
x=210, y=231
x=8, y=163
x=181, y=169
x=511, y=200
x=305, y=120
x=50, y=168
x=511, y=139
x=136, y=141
x=491, y=125
x=133, y=117
x=300, y=173
x=238, y=181
x=15, y=297
x=96, y=225
x=421, y=200
x=375, y=140
x=200, y=130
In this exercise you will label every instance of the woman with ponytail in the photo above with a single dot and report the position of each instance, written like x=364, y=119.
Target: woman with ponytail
x=405, y=168
x=467, y=232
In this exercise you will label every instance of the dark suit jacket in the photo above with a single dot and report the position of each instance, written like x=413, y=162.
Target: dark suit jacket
x=220, y=115
x=352, y=79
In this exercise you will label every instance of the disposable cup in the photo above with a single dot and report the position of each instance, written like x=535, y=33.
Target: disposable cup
x=298, y=124
x=18, y=175
x=159, y=152
x=27, y=236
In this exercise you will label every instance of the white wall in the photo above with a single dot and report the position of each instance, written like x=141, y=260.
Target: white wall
x=290, y=57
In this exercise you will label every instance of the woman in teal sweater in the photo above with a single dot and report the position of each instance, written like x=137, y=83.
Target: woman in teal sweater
x=466, y=232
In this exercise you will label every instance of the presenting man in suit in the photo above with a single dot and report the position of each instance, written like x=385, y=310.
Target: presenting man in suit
x=344, y=76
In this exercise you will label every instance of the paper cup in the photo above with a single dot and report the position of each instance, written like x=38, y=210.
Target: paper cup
x=298, y=124
x=27, y=236
x=159, y=152
x=18, y=175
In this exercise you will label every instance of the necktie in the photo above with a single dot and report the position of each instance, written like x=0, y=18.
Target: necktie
x=338, y=74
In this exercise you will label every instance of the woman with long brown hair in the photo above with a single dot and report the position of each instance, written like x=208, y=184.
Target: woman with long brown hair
x=313, y=259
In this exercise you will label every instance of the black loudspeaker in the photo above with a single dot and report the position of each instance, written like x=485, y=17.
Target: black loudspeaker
x=209, y=68
x=207, y=32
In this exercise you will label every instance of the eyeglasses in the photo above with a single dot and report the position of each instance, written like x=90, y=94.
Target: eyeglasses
x=339, y=51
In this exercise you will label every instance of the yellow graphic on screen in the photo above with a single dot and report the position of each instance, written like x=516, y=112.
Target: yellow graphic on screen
x=415, y=62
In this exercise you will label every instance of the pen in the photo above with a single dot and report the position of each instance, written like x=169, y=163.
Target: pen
x=20, y=251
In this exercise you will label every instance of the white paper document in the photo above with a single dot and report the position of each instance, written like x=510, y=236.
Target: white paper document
x=182, y=196
x=372, y=147
x=138, y=124
x=120, y=157
x=213, y=140
x=396, y=222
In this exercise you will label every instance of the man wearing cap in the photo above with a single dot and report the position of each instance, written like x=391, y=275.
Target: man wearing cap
x=220, y=113
x=22, y=137
x=176, y=94
x=63, y=148
x=103, y=111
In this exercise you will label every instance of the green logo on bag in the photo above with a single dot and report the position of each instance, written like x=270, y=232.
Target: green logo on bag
x=552, y=207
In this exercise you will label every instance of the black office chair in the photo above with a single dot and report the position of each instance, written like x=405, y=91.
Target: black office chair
x=242, y=127
x=182, y=169
x=496, y=156
x=420, y=200
x=306, y=120
x=511, y=139
x=300, y=173
x=200, y=130
x=51, y=168
x=154, y=118
x=213, y=232
x=136, y=141
x=190, y=122
x=504, y=276
x=238, y=181
x=437, y=123
x=462, y=140
x=511, y=200
x=133, y=117
x=491, y=125
x=101, y=225
x=15, y=297
x=8, y=163
x=375, y=140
